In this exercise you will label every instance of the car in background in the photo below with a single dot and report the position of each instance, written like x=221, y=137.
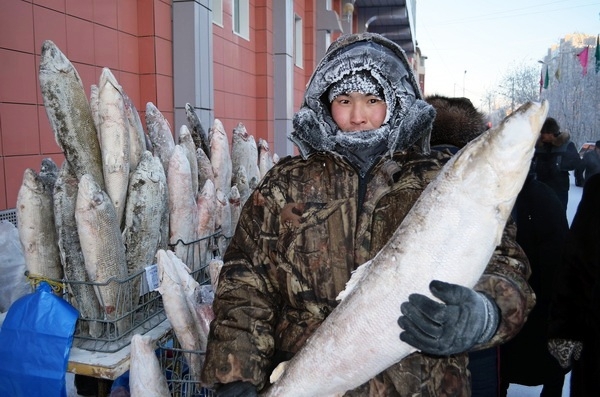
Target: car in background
x=586, y=147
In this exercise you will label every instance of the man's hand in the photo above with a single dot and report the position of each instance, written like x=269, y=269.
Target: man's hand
x=565, y=351
x=237, y=389
x=466, y=318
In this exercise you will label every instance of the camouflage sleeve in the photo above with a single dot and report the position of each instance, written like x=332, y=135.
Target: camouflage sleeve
x=241, y=339
x=505, y=279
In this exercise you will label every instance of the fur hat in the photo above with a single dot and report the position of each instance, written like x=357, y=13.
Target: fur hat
x=457, y=121
x=551, y=126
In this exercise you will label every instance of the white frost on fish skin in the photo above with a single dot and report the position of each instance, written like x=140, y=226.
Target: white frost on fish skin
x=114, y=140
x=146, y=378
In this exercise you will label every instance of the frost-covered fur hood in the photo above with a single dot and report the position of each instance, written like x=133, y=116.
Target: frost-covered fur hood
x=411, y=118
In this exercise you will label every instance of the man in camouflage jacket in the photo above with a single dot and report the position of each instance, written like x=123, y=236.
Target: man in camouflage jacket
x=316, y=217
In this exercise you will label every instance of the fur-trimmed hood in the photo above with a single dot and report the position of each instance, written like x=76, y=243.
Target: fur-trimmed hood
x=410, y=122
x=557, y=141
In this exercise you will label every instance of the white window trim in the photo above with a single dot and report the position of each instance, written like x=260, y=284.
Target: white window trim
x=217, y=12
x=244, y=18
x=298, y=41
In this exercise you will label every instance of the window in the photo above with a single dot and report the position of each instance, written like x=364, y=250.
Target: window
x=241, y=18
x=298, y=42
x=217, y=11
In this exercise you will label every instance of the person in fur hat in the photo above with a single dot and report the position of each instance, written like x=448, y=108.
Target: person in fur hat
x=363, y=135
x=555, y=155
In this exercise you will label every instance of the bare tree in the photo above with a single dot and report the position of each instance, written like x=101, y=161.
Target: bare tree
x=519, y=85
x=574, y=96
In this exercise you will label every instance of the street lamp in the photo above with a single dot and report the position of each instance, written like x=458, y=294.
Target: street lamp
x=464, y=75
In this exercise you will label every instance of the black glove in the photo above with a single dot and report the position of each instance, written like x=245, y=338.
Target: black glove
x=467, y=318
x=237, y=389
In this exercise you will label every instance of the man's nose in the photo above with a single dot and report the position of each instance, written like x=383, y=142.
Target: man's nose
x=357, y=115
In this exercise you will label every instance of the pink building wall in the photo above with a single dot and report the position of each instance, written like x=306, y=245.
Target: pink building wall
x=132, y=38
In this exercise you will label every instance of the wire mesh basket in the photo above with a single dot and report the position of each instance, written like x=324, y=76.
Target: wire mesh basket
x=174, y=364
x=173, y=358
x=137, y=309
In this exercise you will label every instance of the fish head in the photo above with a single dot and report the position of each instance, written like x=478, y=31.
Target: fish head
x=53, y=60
x=107, y=77
x=217, y=127
x=502, y=153
x=48, y=166
x=234, y=196
x=241, y=132
x=184, y=133
x=263, y=145
x=32, y=181
x=90, y=193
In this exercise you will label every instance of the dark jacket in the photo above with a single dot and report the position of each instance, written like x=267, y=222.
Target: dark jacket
x=590, y=165
x=575, y=307
x=541, y=228
x=317, y=217
x=553, y=161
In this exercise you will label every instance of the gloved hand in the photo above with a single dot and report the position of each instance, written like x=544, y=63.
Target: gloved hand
x=466, y=318
x=565, y=351
x=237, y=389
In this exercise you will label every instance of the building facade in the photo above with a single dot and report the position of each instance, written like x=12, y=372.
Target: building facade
x=242, y=61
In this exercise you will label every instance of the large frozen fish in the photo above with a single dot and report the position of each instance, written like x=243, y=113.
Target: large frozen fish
x=205, y=171
x=244, y=152
x=94, y=105
x=147, y=200
x=220, y=157
x=177, y=308
x=160, y=134
x=187, y=143
x=35, y=222
x=137, y=136
x=207, y=205
x=474, y=193
x=102, y=246
x=223, y=221
x=48, y=174
x=192, y=291
x=265, y=159
x=198, y=133
x=235, y=206
x=114, y=140
x=69, y=112
x=240, y=180
x=183, y=211
x=81, y=291
x=146, y=378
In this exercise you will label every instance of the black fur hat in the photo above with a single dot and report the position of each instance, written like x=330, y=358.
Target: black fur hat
x=551, y=127
x=457, y=121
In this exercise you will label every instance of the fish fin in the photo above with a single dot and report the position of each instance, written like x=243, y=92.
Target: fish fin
x=278, y=371
x=357, y=276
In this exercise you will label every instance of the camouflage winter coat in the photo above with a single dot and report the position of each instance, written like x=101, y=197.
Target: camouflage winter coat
x=303, y=231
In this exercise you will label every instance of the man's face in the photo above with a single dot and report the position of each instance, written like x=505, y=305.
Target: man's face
x=547, y=137
x=356, y=111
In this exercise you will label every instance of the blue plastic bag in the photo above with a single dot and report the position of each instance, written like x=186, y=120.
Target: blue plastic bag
x=35, y=341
